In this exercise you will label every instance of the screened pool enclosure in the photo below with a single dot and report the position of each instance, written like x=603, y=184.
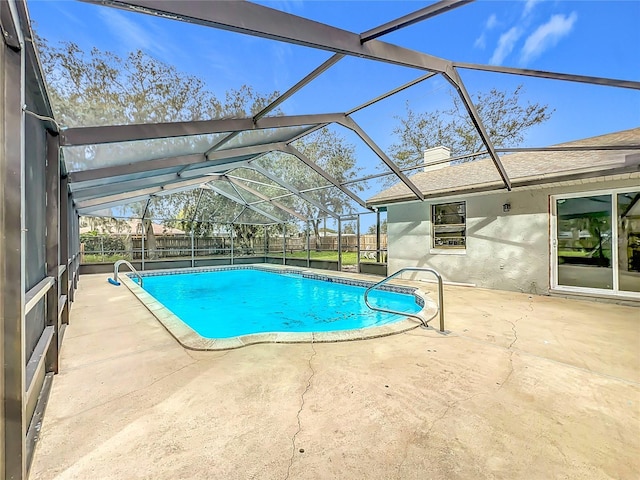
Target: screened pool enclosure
x=224, y=188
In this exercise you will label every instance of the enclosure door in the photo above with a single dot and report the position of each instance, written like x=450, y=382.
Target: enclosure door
x=596, y=242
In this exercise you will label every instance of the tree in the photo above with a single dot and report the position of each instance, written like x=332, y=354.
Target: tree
x=372, y=228
x=103, y=88
x=504, y=114
x=348, y=229
x=331, y=152
x=99, y=225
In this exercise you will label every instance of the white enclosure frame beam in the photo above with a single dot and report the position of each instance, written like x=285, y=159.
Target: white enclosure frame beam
x=411, y=18
x=115, y=187
x=262, y=196
x=292, y=189
x=391, y=92
x=126, y=197
x=566, y=77
x=257, y=20
x=135, y=167
x=308, y=162
x=244, y=204
x=353, y=126
x=326, y=65
x=148, y=131
x=457, y=83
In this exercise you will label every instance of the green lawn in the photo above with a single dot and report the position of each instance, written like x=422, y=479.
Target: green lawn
x=348, y=258
x=97, y=258
x=581, y=253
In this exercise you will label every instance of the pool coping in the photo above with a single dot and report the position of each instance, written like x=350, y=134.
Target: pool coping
x=190, y=339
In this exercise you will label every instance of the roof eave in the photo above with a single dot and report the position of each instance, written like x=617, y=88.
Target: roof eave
x=517, y=183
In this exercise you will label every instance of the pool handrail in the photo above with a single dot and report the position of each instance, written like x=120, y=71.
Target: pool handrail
x=116, y=266
x=409, y=269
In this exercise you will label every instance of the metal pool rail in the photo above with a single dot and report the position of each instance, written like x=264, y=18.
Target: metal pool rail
x=115, y=272
x=410, y=269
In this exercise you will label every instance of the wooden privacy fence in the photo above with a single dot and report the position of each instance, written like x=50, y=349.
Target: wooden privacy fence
x=349, y=242
x=180, y=246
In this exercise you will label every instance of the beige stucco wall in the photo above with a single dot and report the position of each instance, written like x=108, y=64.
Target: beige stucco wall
x=505, y=251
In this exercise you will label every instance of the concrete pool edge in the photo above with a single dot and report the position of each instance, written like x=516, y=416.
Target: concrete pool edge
x=191, y=340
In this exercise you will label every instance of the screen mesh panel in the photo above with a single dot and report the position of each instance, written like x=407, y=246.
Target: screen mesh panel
x=35, y=224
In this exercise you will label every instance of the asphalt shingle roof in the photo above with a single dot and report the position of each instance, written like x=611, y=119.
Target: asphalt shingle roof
x=522, y=168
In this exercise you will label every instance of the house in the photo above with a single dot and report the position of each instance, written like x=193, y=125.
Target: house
x=570, y=224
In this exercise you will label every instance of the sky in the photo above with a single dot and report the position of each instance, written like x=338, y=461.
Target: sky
x=597, y=38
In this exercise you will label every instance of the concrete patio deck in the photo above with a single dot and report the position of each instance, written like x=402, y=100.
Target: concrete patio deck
x=524, y=387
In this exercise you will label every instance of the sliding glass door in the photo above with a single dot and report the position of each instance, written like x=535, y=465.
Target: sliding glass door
x=597, y=242
x=628, y=207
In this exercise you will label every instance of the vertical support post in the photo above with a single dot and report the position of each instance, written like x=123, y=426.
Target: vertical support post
x=358, y=244
x=308, y=245
x=193, y=260
x=70, y=259
x=144, y=230
x=76, y=236
x=266, y=243
x=143, y=233
x=64, y=248
x=52, y=242
x=231, y=235
x=76, y=247
x=440, y=301
x=339, y=244
x=12, y=257
x=193, y=219
x=378, y=236
x=284, y=244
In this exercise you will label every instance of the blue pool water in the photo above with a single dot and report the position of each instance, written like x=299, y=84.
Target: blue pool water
x=230, y=303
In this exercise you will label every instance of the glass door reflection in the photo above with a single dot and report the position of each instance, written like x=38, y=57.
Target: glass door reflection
x=628, y=241
x=584, y=242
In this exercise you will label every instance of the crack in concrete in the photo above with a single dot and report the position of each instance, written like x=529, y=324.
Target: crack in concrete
x=450, y=406
x=515, y=339
x=404, y=458
x=446, y=410
x=515, y=333
x=293, y=439
x=506, y=379
x=557, y=447
x=546, y=359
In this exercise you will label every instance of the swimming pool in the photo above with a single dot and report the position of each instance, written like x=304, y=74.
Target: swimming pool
x=231, y=305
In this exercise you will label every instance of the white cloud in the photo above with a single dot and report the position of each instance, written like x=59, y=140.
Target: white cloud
x=528, y=7
x=481, y=41
x=547, y=36
x=492, y=21
x=134, y=35
x=126, y=29
x=505, y=45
